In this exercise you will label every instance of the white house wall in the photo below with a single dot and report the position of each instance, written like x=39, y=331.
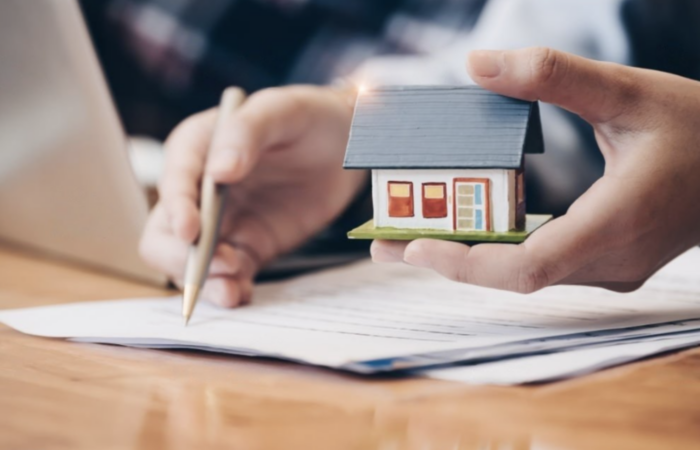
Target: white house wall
x=500, y=187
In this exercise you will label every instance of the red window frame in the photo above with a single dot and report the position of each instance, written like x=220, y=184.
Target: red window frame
x=400, y=206
x=434, y=208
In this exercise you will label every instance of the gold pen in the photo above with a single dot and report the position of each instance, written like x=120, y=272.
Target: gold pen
x=212, y=200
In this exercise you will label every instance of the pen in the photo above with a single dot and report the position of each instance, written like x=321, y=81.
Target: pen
x=212, y=200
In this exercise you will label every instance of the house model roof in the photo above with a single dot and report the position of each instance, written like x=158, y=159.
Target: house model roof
x=441, y=127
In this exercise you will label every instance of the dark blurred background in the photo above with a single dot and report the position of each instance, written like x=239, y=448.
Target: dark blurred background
x=168, y=59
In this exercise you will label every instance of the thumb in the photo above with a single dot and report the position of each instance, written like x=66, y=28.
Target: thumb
x=597, y=91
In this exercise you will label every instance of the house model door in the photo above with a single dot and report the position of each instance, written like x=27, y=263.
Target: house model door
x=471, y=204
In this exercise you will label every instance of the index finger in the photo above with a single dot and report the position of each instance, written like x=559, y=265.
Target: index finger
x=186, y=150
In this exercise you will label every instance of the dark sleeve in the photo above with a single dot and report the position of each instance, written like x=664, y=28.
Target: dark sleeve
x=664, y=35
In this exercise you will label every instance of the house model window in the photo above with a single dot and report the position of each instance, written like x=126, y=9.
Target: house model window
x=434, y=200
x=447, y=162
x=400, y=199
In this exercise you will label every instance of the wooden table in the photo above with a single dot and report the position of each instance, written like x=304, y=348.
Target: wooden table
x=61, y=395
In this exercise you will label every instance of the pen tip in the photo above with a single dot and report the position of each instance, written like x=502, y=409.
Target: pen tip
x=189, y=299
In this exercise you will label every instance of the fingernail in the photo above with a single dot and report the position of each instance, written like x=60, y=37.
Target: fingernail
x=215, y=295
x=208, y=293
x=415, y=259
x=220, y=266
x=486, y=63
x=225, y=261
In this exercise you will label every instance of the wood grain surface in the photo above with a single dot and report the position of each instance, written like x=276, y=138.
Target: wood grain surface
x=61, y=395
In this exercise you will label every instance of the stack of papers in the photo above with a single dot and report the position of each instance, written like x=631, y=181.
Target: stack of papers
x=369, y=318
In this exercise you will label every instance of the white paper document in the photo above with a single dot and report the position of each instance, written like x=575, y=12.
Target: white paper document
x=562, y=364
x=375, y=318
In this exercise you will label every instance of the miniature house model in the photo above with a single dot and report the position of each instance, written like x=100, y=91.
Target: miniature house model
x=446, y=161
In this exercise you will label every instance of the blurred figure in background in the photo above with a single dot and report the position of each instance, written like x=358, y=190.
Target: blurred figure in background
x=168, y=59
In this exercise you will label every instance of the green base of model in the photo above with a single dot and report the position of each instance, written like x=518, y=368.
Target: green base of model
x=368, y=231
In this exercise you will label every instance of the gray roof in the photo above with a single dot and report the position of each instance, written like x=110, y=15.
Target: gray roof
x=441, y=127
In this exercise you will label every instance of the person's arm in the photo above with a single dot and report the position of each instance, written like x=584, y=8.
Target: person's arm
x=640, y=215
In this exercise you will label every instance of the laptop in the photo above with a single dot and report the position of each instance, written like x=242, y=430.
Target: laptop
x=66, y=185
